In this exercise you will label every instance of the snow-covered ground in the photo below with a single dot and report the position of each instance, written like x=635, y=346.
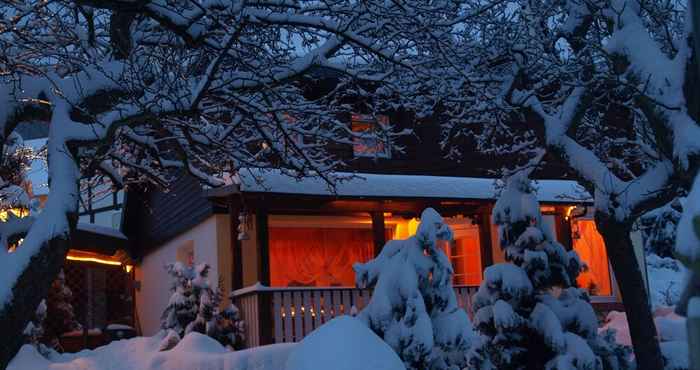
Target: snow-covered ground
x=670, y=328
x=195, y=351
x=666, y=277
x=345, y=343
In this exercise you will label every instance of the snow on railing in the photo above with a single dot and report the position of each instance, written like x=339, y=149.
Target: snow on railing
x=297, y=311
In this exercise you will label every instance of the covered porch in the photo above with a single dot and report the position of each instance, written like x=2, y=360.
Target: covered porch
x=281, y=315
x=293, y=247
x=98, y=272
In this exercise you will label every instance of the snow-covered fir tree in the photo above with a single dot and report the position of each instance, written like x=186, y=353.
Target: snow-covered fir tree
x=182, y=308
x=60, y=315
x=34, y=330
x=194, y=306
x=687, y=249
x=413, y=306
x=658, y=228
x=529, y=312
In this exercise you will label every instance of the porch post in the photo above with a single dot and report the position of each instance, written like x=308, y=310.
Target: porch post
x=378, y=232
x=234, y=210
x=485, y=237
x=261, y=224
x=265, y=320
x=563, y=227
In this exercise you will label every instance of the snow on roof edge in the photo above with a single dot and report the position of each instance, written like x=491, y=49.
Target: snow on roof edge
x=102, y=230
x=400, y=186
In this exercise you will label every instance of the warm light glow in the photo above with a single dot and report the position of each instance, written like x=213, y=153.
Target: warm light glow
x=548, y=209
x=94, y=259
x=568, y=212
x=413, y=226
x=17, y=212
x=129, y=268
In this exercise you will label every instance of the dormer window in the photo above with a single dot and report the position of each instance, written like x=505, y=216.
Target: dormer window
x=369, y=136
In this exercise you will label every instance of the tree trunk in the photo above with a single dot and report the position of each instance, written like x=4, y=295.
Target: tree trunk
x=31, y=287
x=634, y=294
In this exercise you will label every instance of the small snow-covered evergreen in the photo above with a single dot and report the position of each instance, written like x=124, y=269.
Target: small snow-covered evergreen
x=34, y=330
x=529, y=312
x=194, y=306
x=413, y=306
x=658, y=228
x=182, y=307
x=60, y=315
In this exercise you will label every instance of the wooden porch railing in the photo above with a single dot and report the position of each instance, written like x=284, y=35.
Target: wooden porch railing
x=278, y=315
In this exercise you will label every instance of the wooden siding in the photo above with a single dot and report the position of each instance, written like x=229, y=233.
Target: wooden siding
x=156, y=216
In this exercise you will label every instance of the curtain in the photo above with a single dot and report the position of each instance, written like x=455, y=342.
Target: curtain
x=591, y=249
x=305, y=256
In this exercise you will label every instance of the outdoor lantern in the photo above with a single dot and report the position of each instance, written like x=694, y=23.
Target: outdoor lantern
x=243, y=226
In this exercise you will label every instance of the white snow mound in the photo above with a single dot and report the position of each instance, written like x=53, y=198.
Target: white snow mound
x=194, y=351
x=344, y=343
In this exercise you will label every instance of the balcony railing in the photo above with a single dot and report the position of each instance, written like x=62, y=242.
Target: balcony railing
x=279, y=315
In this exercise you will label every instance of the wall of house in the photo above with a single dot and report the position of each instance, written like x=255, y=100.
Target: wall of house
x=210, y=243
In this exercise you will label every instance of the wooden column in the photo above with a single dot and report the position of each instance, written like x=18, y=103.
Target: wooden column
x=378, y=232
x=485, y=237
x=263, y=250
x=563, y=227
x=265, y=319
x=234, y=210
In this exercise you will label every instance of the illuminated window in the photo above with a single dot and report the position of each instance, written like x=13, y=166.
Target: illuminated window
x=589, y=245
x=318, y=251
x=367, y=139
x=464, y=251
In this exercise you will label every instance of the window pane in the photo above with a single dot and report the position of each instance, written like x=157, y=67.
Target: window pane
x=367, y=142
x=464, y=252
x=590, y=247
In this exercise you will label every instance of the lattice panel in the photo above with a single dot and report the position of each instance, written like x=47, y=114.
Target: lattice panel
x=101, y=294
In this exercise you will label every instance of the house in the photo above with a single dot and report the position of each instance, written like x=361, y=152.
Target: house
x=286, y=247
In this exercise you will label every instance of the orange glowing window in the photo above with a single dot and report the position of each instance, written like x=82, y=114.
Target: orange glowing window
x=318, y=251
x=589, y=245
x=464, y=251
x=465, y=254
x=367, y=139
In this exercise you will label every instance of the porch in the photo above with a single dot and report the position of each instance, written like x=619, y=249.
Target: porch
x=281, y=315
x=293, y=248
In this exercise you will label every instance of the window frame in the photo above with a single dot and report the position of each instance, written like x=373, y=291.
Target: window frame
x=382, y=148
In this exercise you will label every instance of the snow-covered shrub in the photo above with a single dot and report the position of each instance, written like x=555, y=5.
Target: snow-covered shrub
x=195, y=307
x=182, y=305
x=687, y=250
x=665, y=276
x=34, y=330
x=529, y=312
x=413, y=306
x=658, y=228
x=60, y=315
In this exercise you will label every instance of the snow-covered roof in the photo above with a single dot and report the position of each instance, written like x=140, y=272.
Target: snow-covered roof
x=102, y=230
x=395, y=186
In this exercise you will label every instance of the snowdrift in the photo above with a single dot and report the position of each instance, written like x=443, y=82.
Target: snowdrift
x=195, y=351
x=344, y=343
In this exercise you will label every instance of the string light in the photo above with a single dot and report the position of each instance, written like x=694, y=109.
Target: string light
x=94, y=259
